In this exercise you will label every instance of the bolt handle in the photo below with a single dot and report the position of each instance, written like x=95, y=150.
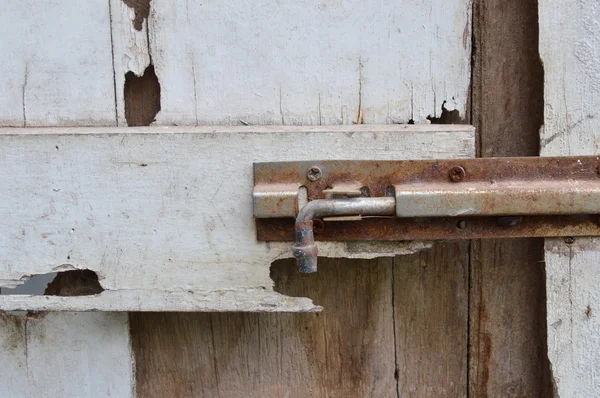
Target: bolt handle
x=306, y=250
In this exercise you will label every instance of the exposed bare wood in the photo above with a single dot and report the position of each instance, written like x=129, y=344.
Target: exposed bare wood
x=57, y=71
x=346, y=350
x=312, y=78
x=430, y=312
x=507, y=295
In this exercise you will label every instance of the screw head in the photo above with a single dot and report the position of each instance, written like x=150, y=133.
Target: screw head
x=318, y=226
x=457, y=173
x=569, y=240
x=314, y=173
x=461, y=224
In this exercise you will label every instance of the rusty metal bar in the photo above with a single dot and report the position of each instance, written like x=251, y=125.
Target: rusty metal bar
x=498, y=198
x=443, y=228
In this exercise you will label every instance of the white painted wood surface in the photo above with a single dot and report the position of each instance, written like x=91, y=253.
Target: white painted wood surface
x=164, y=216
x=66, y=355
x=309, y=61
x=569, y=48
x=56, y=67
x=306, y=62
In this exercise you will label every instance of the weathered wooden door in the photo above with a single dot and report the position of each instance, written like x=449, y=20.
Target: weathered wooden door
x=451, y=319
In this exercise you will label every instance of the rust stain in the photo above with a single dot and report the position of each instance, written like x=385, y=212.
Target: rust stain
x=485, y=353
x=485, y=364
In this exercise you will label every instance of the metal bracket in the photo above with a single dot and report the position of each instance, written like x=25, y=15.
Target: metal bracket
x=424, y=200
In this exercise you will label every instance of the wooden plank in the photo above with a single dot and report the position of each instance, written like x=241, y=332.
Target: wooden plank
x=571, y=100
x=65, y=355
x=573, y=339
x=431, y=313
x=58, y=66
x=308, y=62
x=346, y=350
x=164, y=215
x=57, y=71
x=507, y=350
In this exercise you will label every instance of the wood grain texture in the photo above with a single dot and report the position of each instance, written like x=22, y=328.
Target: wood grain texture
x=431, y=318
x=153, y=210
x=346, y=350
x=131, y=58
x=507, y=354
x=142, y=97
x=507, y=330
x=569, y=42
x=573, y=298
x=65, y=355
x=57, y=71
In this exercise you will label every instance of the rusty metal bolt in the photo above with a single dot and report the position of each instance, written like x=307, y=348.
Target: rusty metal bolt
x=457, y=174
x=461, y=224
x=314, y=174
x=569, y=240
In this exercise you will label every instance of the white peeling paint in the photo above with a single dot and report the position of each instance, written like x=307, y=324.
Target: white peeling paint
x=162, y=212
x=56, y=67
x=309, y=62
x=130, y=50
x=66, y=355
x=569, y=42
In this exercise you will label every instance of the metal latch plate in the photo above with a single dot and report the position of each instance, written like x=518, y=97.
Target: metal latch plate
x=439, y=199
